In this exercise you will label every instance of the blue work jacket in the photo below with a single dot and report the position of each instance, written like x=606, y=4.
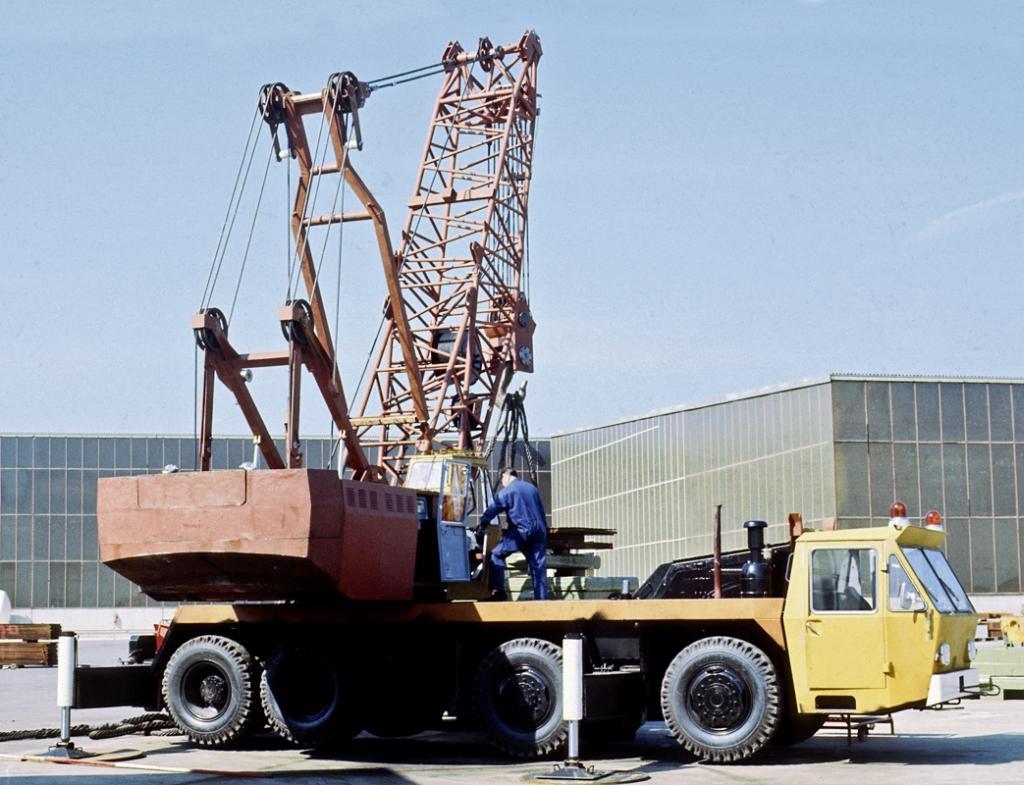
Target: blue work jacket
x=520, y=500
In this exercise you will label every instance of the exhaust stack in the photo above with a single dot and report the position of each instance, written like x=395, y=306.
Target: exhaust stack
x=756, y=575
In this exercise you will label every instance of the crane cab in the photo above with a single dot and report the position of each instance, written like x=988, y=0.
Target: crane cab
x=874, y=620
x=450, y=488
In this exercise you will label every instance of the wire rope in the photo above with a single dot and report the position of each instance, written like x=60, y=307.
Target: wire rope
x=390, y=77
x=252, y=229
x=229, y=217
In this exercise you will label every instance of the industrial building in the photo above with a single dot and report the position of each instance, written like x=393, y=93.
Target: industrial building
x=838, y=450
x=49, y=553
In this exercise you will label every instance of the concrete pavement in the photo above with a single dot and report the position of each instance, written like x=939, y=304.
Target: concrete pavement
x=982, y=741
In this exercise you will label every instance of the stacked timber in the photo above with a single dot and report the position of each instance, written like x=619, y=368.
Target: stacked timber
x=572, y=559
x=990, y=627
x=567, y=587
x=28, y=644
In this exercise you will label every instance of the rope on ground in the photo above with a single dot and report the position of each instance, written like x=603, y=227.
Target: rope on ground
x=153, y=724
x=41, y=733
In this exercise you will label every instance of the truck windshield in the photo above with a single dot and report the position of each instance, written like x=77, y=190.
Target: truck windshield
x=939, y=580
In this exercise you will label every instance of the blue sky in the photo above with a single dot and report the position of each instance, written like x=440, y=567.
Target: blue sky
x=726, y=195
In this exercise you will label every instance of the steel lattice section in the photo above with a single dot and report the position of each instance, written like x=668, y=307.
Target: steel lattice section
x=461, y=262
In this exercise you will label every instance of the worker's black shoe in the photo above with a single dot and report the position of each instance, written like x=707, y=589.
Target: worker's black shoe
x=496, y=596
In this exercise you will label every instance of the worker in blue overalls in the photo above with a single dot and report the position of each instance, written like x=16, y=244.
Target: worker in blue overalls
x=527, y=532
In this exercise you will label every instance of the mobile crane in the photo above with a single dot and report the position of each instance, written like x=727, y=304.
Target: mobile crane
x=347, y=602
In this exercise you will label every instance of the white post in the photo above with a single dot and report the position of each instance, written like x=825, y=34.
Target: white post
x=572, y=689
x=67, y=660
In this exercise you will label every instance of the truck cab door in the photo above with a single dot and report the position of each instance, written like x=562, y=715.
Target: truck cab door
x=844, y=631
x=452, y=510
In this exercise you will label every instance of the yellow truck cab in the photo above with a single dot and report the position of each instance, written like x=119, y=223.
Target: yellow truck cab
x=876, y=620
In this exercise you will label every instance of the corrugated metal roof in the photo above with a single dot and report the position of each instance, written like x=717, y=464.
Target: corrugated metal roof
x=793, y=385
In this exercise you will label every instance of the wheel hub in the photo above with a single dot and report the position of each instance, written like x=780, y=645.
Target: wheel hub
x=525, y=697
x=718, y=698
x=205, y=691
x=214, y=690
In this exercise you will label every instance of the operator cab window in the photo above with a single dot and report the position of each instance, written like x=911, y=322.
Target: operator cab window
x=843, y=579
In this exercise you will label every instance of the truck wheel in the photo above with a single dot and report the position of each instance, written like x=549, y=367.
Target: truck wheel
x=797, y=728
x=304, y=697
x=518, y=697
x=720, y=698
x=209, y=690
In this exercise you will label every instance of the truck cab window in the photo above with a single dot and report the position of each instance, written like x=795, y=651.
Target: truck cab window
x=843, y=579
x=903, y=593
x=939, y=581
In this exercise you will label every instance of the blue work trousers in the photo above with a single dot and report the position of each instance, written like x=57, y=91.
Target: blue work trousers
x=534, y=546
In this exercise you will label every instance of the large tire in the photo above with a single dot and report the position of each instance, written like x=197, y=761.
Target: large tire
x=518, y=697
x=209, y=688
x=306, y=699
x=720, y=698
x=797, y=728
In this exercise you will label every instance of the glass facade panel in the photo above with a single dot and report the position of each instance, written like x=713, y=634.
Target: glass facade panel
x=25, y=454
x=73, y=585
x=983, y=574
x=40, y=451
x=904, y=419
x=976, y=404
x=930, y=462
x=58, y=452
x=8, y=538
x=1004, y=486
x=74, y=538
x=137, y=451
x=1017, y=404
x=40, y=571
x=879, y=415
x=883, y=494
x=24, y=542
x=8, y=452
x=1000, y=413
x=850, y=423
x=8, y=491
x=904, y=466
x=979, y=472
x=89, y=582
x=155, y=455
x=90, y=452
x=58, y=538
x=40, y=537
x=853, y=493
x=928, y=422
x=1008, y=566
x=954, y=476
x=74, y=452
x=951, y=400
